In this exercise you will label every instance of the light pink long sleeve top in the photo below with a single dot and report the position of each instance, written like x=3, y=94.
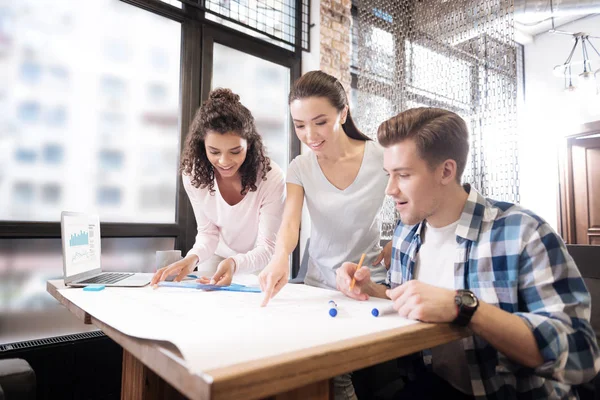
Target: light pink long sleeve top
x=245, y=231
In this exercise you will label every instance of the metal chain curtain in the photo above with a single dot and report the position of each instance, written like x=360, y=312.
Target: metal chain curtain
x=458, y=55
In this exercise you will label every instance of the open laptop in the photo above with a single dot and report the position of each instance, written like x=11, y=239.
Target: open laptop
x=80, y=234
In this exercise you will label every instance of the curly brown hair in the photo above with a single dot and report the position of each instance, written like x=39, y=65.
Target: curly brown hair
x=223, y=113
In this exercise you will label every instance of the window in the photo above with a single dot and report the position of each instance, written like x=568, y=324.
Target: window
x=174, y=3
x=103, y=64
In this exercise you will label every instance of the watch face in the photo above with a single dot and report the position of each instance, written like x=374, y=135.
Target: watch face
x=468, y=300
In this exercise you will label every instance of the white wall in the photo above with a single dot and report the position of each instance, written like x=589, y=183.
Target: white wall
x=550, y=113
x=310, y=62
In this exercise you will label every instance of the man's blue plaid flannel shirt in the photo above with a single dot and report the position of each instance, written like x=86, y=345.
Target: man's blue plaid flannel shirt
x=511, y=258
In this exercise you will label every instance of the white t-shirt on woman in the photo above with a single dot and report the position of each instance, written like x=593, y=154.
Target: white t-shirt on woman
x=344, y=223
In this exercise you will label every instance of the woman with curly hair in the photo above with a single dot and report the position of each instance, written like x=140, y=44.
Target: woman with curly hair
x=236, y=191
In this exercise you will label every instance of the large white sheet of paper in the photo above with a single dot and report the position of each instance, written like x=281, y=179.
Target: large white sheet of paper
x=219, y=329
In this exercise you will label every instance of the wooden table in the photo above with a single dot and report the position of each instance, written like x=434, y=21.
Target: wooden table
x=156, y=370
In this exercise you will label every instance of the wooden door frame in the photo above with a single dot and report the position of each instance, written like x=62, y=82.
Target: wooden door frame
x=566, y=199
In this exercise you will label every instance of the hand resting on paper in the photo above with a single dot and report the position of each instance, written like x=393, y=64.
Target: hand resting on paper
x=224, y=274
x=181, y=268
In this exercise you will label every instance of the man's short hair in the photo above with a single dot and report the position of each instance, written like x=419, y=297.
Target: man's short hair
x=439, y=135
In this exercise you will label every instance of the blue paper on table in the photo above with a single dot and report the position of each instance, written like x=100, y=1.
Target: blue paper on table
x=234, y=287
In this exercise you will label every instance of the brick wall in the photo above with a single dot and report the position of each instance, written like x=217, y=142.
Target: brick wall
x=335, y=39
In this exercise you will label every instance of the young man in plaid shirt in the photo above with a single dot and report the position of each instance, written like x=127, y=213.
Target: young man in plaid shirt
x=495, y=267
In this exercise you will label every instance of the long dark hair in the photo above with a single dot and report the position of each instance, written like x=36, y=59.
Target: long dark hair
x=223, y=113
x=320, y=84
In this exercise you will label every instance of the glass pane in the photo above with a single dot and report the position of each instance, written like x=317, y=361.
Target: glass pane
x=274, y=17
x=442, y=77
x=174, y=3
x=89, y=111
x=26, y=265
x=263, y=88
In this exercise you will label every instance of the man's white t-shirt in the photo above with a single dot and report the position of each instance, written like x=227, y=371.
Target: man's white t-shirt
x=435, y=266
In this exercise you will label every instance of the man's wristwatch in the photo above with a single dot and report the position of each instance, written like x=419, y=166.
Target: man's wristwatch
x=466, y=304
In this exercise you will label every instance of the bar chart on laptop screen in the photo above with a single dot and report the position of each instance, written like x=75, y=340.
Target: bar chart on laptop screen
x=81, y=244
x=81, y=248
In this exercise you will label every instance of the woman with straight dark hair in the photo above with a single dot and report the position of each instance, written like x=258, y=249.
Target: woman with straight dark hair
x=343, y=182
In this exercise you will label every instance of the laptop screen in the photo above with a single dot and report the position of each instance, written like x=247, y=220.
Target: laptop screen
x=81, y=242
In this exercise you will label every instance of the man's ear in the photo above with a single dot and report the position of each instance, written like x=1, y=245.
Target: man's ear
x=448, y=171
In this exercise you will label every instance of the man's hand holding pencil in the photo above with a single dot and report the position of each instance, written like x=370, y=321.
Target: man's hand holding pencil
x=354, y=280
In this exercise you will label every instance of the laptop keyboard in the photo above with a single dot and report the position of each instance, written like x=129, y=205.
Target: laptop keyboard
x=107, y=278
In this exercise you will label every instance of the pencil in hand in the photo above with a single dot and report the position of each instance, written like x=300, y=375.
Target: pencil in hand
x=362, y=258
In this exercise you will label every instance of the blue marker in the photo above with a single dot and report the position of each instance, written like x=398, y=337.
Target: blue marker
x=376, y=312
x=332, y=308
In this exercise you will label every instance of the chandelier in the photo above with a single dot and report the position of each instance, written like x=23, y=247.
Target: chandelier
x=580, y=72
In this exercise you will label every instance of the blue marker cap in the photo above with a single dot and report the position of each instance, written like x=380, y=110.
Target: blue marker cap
x=332, y=308
x=375, y=312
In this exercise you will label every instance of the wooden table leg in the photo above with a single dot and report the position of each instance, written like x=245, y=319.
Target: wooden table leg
x=317, y=391
x=139, y=382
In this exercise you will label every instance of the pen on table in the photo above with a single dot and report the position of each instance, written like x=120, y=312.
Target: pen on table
x=362, y=258
x=332, y=308
x=381, y=311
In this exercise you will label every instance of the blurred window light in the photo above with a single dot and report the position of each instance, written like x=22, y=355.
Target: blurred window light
x=23, y=192
x=109, y=196
x=174, y=3
x=153, y=196
x=111, y=160
x=53, y=154
x=111, y=123
x=117, y=51
x=112, y=86
x=59, y=74
x=157, y=92
x=159, y=59
x=31, y=72
x=29, y=111
x=77, y=81
x=51, y=193
x=56, y=116
x=25, y=156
